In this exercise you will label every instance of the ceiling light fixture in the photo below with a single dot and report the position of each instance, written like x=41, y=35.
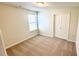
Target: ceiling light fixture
x=41, y=4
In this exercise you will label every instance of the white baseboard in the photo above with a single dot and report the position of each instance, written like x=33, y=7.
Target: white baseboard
x=46, y=35
x=53, y=36
x=30, y=36
x=71, y=40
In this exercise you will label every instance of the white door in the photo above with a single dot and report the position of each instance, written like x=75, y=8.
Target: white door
x=61, y=25
x=2, y=47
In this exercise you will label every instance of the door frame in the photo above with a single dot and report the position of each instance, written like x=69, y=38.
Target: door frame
x=3, y=45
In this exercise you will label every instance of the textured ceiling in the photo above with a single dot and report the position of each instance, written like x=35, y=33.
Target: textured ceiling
x=31, y=6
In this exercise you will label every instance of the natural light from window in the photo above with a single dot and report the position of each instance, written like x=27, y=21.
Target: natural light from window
x=32, y=22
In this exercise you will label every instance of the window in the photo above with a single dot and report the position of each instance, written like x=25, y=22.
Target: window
x=32, y=22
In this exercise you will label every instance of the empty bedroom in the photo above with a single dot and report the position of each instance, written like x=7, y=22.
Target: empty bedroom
x=39, y=28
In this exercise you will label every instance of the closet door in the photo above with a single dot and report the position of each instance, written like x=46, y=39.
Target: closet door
x=62, y=25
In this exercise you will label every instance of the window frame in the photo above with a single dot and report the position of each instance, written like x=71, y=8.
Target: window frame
x=36, y=22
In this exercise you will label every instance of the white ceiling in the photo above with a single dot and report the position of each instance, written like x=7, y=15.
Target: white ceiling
x=31, y=6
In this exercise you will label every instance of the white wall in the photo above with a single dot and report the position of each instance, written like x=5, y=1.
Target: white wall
x=14, y=25
x=46, y=21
